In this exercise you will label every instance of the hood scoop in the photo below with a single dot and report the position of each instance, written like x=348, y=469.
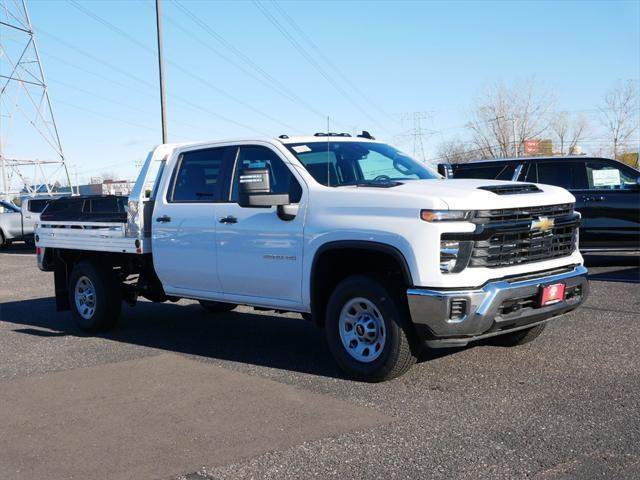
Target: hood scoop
x=511, y=189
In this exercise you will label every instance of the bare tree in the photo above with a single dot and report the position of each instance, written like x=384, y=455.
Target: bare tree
x=507, y=116
x=568, y=131
x=619, y=115
x=456, y=151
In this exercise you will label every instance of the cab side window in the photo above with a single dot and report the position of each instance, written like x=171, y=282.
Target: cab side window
x=281, y=179
x=198, y=176
x=605, y=176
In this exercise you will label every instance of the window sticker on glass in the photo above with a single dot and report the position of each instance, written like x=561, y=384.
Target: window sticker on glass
x=301, y=149
x=606, y=178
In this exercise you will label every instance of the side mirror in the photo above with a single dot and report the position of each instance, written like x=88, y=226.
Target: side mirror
x=255, y=190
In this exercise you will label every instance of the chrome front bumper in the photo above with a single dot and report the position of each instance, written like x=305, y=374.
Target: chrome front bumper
x=498, y=307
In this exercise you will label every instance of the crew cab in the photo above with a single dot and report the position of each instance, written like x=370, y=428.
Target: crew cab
x=385, y=254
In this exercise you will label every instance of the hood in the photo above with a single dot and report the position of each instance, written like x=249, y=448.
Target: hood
x=468, y=194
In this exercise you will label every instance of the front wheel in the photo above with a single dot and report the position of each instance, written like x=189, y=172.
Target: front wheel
x=367, y=329
x=95, y=297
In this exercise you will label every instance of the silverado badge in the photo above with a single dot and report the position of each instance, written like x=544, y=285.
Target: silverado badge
x=542, y=223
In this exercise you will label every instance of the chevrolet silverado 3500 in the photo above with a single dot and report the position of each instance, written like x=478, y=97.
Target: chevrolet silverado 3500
x=382, y=252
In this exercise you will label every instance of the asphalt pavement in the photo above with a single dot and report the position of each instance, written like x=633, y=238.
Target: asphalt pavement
x=176, y=392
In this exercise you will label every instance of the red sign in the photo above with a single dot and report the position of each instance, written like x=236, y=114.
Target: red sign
x=531, y=147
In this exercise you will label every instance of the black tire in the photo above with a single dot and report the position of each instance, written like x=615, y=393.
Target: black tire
x=518, y=338
x=107, y=297
x=4, y=243
x=396, y=356
x=217, y=307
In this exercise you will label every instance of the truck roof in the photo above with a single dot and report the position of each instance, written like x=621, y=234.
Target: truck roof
x=284, y=139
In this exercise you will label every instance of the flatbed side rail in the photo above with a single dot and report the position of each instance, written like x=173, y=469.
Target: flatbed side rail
x=93, y=236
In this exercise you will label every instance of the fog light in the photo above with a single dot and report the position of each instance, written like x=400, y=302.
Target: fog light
x=454, y=255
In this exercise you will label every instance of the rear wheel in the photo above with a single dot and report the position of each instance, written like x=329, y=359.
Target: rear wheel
x=367, y=329
x=520, y=337
x=95, y=297
x=217, y=307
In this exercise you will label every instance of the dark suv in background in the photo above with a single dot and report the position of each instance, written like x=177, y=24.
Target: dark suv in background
x=607, y=192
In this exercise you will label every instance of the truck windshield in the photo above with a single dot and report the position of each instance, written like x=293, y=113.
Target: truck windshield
x=338, y=164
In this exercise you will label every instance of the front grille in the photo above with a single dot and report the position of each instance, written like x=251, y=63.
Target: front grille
x=505, y=249
x=515, y=214
x=506, y=236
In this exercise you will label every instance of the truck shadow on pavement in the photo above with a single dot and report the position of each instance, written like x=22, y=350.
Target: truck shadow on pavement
x=274, y=341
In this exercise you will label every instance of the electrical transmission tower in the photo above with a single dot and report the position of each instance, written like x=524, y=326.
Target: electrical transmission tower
x=31, y=155
x=416, y=131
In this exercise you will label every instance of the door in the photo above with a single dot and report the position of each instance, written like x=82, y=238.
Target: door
x=184, y=223
x=10, y=221
x=259, y=254
x=612, y=199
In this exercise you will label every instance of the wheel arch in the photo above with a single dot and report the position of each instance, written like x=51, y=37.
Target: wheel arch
x=336, y=260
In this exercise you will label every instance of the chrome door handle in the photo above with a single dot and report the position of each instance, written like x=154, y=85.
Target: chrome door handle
x=599, y=198
x=228, y=219
x=163, y=219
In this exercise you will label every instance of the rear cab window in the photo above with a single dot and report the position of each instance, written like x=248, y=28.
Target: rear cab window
x=198, y=176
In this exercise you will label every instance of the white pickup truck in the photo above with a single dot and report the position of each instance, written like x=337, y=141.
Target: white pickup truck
x=355, y=235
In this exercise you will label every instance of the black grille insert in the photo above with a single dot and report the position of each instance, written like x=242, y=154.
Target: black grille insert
x=513, y=248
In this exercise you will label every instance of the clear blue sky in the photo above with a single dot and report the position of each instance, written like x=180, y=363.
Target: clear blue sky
x=400, y=56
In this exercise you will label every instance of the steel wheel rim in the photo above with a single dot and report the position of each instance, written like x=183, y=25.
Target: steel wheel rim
x=85, y=297
x=362, y=330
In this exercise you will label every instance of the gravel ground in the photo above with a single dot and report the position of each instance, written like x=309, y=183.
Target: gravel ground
x=564, y=406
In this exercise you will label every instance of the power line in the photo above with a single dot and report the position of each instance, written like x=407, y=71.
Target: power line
x=260, y=76
x=145, y=83
x=177, y=66
x=309, y=58
x=321, y=54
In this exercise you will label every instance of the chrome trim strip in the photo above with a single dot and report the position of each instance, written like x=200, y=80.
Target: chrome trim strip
x=499, y=285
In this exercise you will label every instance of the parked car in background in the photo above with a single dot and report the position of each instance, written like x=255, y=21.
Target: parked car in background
x=607, y=192
x=17, y=223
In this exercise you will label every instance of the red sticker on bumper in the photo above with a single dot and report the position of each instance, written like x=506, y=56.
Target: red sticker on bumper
x=552, y=294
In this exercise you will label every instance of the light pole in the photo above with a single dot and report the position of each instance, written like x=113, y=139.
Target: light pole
x=163, y=107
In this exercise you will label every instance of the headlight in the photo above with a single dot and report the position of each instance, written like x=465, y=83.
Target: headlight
x=454, y=255
x=445, y=215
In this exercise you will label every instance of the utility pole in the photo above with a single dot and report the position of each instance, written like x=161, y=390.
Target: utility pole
x=163, y=106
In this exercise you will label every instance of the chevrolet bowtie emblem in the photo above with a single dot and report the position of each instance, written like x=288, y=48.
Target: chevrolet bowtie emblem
x=542, y=223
